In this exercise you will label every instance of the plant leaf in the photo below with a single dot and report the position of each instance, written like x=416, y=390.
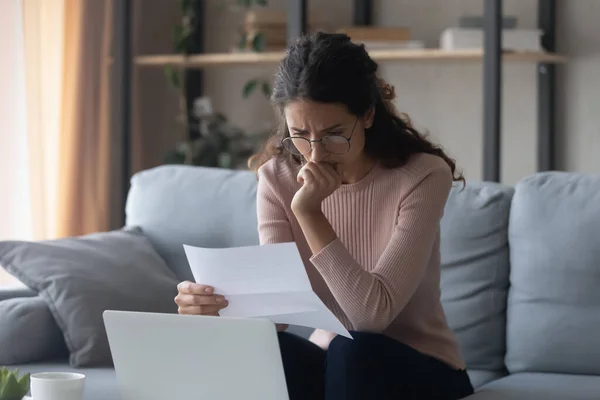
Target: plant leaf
x=3, y=374
x=173, y=76
x=180, y=39
x=258, y=43
x=174, y=157
x=12, y=389
x=249, y=88
x=24, y=383
x=266, y=88
x=187, y=6
x=261, y=2
x=178, y=33
x=186, y=30
x=245, y=3
x=180, y=47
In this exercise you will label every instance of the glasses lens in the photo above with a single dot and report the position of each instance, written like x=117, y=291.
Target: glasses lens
x=296, y=145
x=336, y=144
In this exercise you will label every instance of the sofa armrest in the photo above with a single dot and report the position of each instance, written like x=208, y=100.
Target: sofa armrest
x=13, y=292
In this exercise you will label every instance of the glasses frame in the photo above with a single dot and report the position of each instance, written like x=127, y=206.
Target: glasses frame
x=311, y=141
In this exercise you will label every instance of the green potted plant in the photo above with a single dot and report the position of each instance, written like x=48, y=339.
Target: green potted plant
x=213, y=141
x=13, y=387
x=208, y=139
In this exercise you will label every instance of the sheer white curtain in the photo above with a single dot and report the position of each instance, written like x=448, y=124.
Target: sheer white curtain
x=15, y=199
x=43, y=29
x=15, y=218
x=31, y=40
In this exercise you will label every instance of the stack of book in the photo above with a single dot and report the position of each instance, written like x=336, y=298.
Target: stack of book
x=271, y=26
x=382, y=38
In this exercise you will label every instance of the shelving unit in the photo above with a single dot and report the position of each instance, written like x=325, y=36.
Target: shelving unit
x=491, y=58
x=232, y=59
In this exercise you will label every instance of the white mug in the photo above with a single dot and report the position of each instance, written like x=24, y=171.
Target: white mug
x=57, y=386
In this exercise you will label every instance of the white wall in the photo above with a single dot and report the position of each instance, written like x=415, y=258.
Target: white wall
x=579, y=86
x=155, y=104
x=446, y=98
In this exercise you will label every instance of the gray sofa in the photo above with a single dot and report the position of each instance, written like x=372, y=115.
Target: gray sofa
x=520, y=278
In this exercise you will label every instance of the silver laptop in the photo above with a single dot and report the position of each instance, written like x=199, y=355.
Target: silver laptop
x=181, y=357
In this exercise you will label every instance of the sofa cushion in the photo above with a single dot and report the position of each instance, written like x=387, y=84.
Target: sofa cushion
x=554, y=299
x=81, y=277
x=540, y=386
x=100, y=383
x=475, y=267
x=28, y=332
x=480, y=377
x=14, y=292
x=205, y=207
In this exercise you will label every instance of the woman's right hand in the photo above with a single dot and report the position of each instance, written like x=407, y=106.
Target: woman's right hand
x=196, y=299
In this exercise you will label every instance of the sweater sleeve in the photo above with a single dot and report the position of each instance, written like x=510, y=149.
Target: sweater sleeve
x=273, y=223
x=373, y=299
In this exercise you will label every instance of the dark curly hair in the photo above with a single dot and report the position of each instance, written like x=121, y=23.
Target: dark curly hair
x=330, y=68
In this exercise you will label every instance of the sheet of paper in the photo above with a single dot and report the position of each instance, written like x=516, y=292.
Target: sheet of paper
x=322, y=319
x=267, y=281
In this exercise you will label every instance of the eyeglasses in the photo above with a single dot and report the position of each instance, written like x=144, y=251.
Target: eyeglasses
x=334, y=144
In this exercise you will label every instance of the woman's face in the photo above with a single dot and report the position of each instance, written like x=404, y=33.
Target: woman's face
x=314, y=121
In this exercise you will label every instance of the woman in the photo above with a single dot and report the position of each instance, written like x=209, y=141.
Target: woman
x=361, y=192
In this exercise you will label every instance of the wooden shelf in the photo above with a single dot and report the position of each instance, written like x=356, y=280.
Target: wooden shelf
x=232, y=59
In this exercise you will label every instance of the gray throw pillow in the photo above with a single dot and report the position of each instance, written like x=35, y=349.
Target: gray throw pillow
x=81, y=277
x=28, y=332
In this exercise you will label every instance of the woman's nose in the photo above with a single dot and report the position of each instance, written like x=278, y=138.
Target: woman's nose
x=318, y=152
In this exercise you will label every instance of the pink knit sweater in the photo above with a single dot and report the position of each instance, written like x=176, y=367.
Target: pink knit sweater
x=382, y=273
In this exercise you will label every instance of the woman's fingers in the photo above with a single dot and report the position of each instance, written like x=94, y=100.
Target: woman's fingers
x=302, y=174
x=327, y=174
x=306, y=176
x=197, y=299
x=316, y=172
x=330, y=173
x=194, y=288
x=200, y=310
x=183, y=299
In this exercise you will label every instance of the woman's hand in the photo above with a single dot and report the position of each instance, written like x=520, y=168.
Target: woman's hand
x=319, y=181
x=197, y=299
x=322, y=338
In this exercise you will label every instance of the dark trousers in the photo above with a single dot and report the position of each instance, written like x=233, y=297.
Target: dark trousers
x=371, y=366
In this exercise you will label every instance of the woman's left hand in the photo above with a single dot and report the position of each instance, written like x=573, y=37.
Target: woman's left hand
x=319, y=181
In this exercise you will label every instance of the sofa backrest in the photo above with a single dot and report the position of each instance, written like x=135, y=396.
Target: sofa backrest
x=208, y=207
x=553, y=316
x=475, y=269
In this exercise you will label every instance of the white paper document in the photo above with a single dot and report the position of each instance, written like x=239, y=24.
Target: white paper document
x=267, y=281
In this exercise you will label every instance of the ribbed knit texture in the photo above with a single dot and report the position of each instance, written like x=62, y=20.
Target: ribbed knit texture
x=382, y=273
